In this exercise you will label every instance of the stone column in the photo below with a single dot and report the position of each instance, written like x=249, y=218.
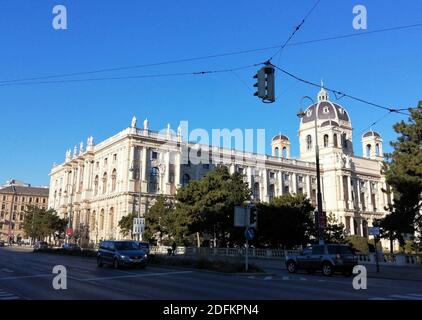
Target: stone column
x=249, y=175
x=294, y=183
x=265, y=186
x=309, y=185
x=349, y=191
x=358, y=195
x=167, y=172
x=369, y=193
x=280, y=183
x=144, y=166
x=177, y=169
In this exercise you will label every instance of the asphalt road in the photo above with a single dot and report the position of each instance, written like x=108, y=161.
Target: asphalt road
x=27, y=275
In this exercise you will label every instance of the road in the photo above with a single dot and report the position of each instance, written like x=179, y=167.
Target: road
x=27, y=275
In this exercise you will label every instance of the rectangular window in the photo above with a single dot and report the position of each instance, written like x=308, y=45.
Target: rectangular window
x=115, y=157
x=206, y=166
x=154, y=155
x=272, y=174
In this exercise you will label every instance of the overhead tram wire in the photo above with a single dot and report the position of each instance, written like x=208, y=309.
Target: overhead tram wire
x=161, y=75
x=297, y=28
x=233, y=53
x=342, y=94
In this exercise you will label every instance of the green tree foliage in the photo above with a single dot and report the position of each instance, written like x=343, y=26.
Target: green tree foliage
x=162, y=220
x=403, y=170
x=334, y=232
x=208, y=205
x=126, y=224
x=42, y=223
x=285, y=222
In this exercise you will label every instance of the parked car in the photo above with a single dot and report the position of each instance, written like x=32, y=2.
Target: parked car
x=121, y=253
x=71, y=247
x=1, y=243
x=40, y=245
x=328, y=258
x=144, y=246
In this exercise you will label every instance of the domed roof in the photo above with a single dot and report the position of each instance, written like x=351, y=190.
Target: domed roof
x=326, y=110
x=280, y=137
x=330, y=123
x=372, y=134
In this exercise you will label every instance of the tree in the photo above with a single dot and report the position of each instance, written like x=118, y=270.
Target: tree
x=42, y=223
x=334, y=232
x=287, y=221
x=207, y=205
x=403, y=171
x=157, y=221
x=126, y=224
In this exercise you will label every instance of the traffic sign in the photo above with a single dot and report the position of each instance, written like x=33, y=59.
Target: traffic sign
x=250, y=234
x=374, y=231
x=138, y=225
x=240, y=217
x=69, y=231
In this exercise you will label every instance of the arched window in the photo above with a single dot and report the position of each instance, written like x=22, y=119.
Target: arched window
x=271, y=191
x=276, y=152
x=368, y=150
x=185, y=180
x=335, y=140
x=256, y=192
x=325, y=140
x=344, y=141
x=101, y=224
x=113, y=180
x=111, y=219
x=153, y=179
x=377, y=150
x=104, y=182
x=92, y=220
x=284, y=152
x=308, y=142
x=96, y=185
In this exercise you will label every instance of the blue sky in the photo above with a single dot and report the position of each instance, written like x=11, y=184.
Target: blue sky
x=39, y=122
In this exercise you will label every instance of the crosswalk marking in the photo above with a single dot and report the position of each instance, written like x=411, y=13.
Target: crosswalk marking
x=7, y=295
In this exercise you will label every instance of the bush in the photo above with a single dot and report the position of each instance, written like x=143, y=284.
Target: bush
x=359, y=243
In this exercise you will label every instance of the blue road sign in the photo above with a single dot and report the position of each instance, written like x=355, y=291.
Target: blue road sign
x=250, y=233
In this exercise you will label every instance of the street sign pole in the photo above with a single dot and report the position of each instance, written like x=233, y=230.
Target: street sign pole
x=247, y=252
x=376, y=254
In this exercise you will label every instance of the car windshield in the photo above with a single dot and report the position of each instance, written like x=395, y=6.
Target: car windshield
x=126, y=245
x=339, y=250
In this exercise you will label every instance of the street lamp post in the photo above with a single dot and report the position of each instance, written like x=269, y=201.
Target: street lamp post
x=301, y=114
x=132, y=169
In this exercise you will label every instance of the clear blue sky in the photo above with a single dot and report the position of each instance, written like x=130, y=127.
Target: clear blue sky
x=39, y=122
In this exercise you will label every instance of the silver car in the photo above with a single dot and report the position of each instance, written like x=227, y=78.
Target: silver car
x=328, y=258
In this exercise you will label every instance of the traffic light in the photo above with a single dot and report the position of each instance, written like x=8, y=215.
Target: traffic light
x=253, y=217
x=265, y=84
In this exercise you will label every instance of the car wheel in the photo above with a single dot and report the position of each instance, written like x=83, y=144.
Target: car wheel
x=99, y=262
x=327, y=269
x=116, y=264
x=291, y=266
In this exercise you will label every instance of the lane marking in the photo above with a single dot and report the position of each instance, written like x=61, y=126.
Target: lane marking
x=26, y=277
x=6, y=270
x=406, y=297
x=132, y=276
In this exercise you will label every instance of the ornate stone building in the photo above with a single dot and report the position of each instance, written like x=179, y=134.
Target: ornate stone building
x=102, y=183
x=15, y=198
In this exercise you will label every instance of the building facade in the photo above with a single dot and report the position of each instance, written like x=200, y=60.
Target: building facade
x=15, y=198
x=96, y=186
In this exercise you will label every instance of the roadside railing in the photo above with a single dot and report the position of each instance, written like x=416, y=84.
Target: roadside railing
x=280, y=254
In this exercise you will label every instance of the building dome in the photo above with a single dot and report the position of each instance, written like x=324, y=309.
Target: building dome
x=281, y=137
x=371, y=134
x=326, y=110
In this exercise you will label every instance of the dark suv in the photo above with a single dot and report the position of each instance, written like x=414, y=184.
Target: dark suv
x=328, y=258
x=121, y=253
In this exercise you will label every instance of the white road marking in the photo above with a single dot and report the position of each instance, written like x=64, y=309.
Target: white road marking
x=26, y=277
x=8, y=296
x=268, y=278
x=133, y=276
x=406, y=297
x=286, y=278
x=6, y=270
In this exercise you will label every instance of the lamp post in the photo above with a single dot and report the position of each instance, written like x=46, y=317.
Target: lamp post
x=301, y=114
x=138, y=173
